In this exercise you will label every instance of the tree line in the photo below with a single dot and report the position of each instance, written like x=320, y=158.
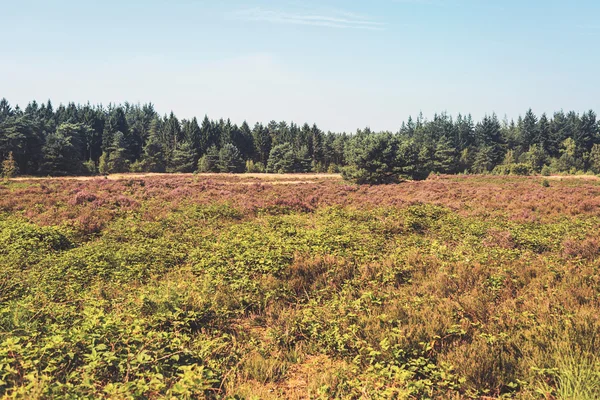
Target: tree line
x=89, y=139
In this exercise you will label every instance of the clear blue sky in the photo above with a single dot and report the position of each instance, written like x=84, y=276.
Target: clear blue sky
x=341, y=64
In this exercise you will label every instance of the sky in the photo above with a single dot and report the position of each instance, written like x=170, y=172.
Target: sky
x=341, y=64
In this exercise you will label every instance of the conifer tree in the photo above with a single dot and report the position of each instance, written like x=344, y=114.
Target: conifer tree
x=318, y=154
x=172, y=134
x=206, y=136
x=61, y=156
x=594, y=159
x=209, y=162
x=245, y=142
x=115, y=122
x=281, y=159
x=183, y=158
x=117, y=157
x=153, y=159
x=529, y=131
x=193, y=134
x=543, y=131
x=302, y=160
x=230, y=159
x=9, y=167
x=262, y=143
x=444, y=157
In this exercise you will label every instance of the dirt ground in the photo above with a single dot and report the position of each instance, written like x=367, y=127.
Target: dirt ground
x=252, y=178
x=584, y=177
x=281, y=179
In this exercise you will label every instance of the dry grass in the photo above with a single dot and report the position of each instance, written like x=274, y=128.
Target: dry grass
x=263, y=177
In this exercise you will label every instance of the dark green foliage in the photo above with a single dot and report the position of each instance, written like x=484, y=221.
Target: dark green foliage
x=115, y=122
x=444, y=157
x=262, y=143
x=302, y=160
x=488, y=135
x=594, y=159
x=117, y=156
x=410, y=162
x=171, y=132
x=193, y=134
x=483, y=160
x=64, y=151
x=206, y=139
x=318, y=145
x=230, y=159
x=150, y=143
x=210, y=161
x=513, y=169
x=242, y=139
x=545, y=183
x=282, y=159
x=529, y=130
x=373, y=159
x=153, y=159
x=183, y=158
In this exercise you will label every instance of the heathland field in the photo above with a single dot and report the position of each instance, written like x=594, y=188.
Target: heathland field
x=300, y=287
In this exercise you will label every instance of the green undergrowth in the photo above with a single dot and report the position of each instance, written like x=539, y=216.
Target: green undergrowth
x=211, y=301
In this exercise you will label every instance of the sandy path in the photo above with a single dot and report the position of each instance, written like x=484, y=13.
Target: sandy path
x=281, y=179
x=583, y=177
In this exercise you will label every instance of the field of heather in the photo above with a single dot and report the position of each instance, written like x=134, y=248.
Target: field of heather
x=298, y=287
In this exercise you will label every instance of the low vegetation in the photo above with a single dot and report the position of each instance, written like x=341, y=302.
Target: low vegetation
x=234, y=287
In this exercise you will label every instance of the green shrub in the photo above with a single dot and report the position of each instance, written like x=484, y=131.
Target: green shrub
x=546, y=171
x=252, y=167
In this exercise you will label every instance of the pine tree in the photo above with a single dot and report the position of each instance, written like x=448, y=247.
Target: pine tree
x=103, y=164
x=193, y=134
x=245, y=142
x=529, y=131
x=226, y=133
x=209, y=162
x=139, y=120
x=568, y=161
x=543, y=130
x=117, y=157
x=302, y=160
x=318, y=146
x=444, y=157
x=465, y=132
x=536, y=157
x=115, y=122
x=61, y=155
x=183, y=158
x=484, y=160
x=587, y=133
x=373, y=159
x=93, y=138
x=9, y=167
x=153, y=159
x=230, y=159
x=206, y=136
x=14, y=132
x=262, y=142
x=489, y=140
x=5, y=110
x=172, y=134
x=594, y=159
x=282, y=159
